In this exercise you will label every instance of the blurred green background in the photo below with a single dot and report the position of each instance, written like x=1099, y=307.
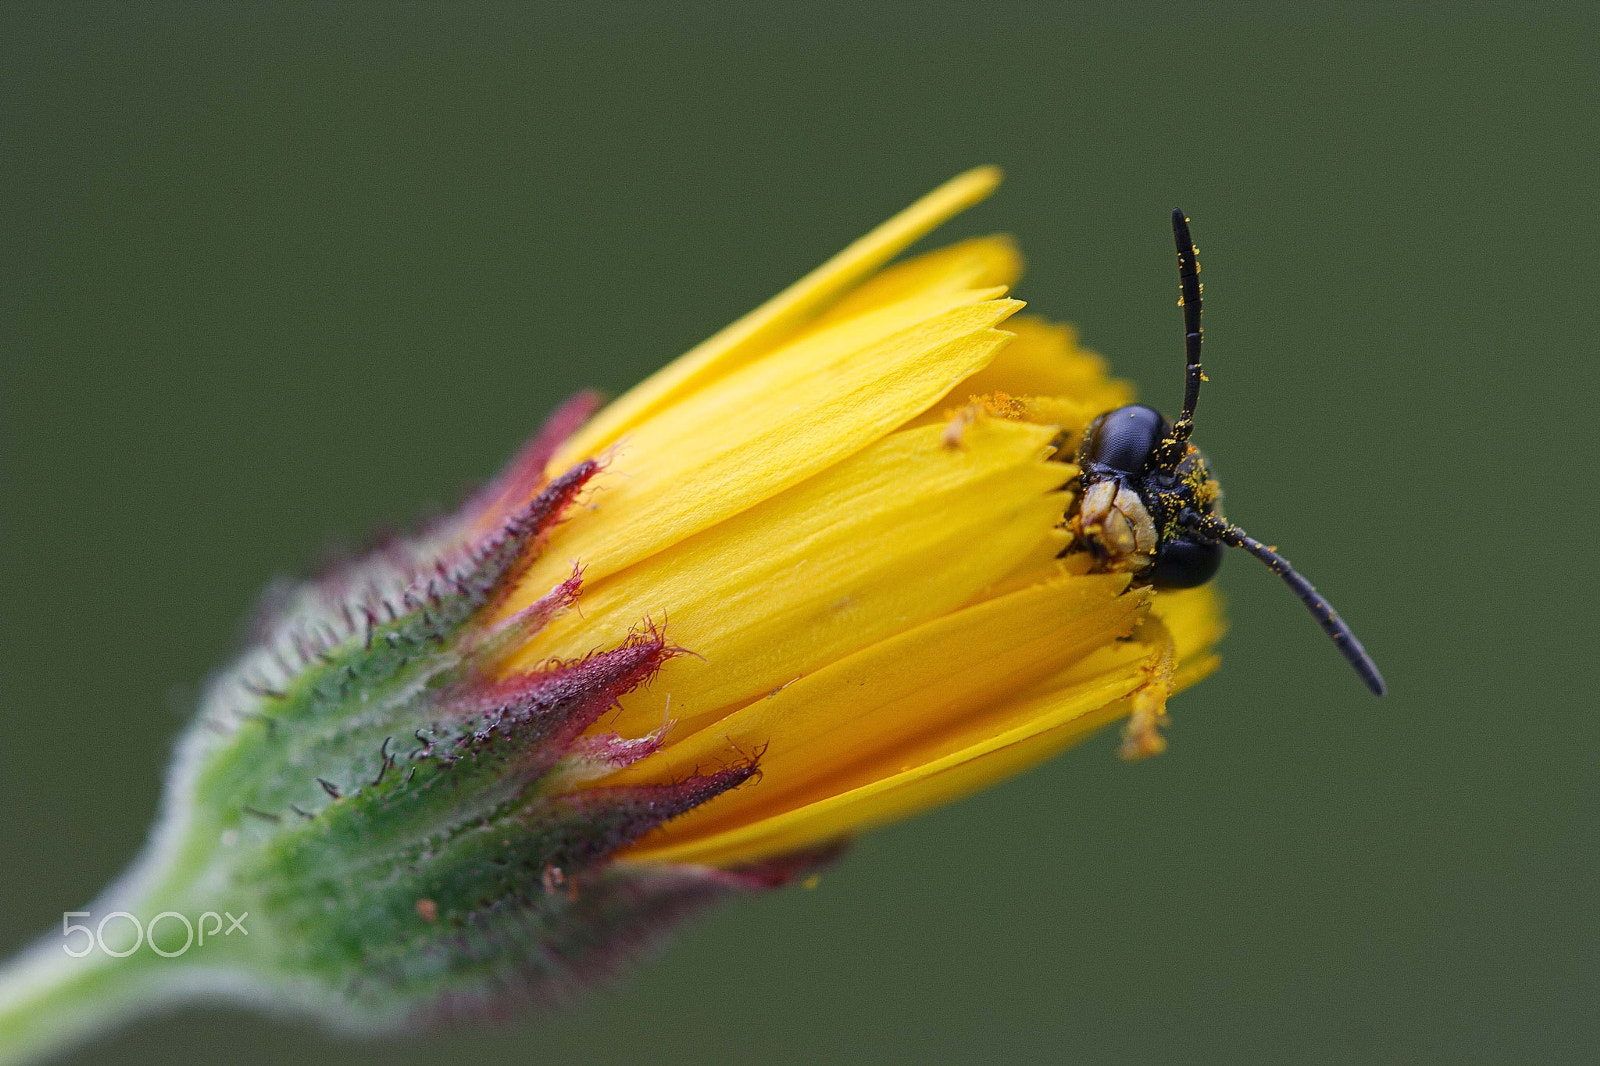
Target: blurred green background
x=271, y=278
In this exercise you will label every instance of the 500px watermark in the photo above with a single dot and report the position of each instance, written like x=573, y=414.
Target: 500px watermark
x=194, y=933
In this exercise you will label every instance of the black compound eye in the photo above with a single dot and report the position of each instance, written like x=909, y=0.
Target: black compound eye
x=1185, y=563
x=1122, y=440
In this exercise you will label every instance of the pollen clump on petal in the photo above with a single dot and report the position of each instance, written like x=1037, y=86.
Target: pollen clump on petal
x=849, y=508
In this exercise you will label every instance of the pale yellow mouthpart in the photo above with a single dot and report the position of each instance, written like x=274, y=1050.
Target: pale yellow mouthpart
x=874, y=597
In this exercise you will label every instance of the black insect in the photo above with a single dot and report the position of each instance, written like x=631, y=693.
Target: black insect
x=1147, y=503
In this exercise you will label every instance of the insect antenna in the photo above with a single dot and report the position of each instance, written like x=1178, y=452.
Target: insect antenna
x=1215, y=529
x=1189, y=288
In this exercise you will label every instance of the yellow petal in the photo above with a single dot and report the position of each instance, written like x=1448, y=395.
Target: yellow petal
x=941, y=761
x=1044, y=361
x=758, y=331
x=1050, y=724
x=904, y=531
x=1193, y=617
x=979, y=263
x=768, y=426
x=890, y=699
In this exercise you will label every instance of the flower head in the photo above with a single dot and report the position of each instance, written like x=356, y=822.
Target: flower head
x=821, y=572
x=813, y=576
x=851, y=507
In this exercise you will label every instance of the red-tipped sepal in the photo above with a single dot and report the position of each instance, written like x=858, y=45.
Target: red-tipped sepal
x=524, y=475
